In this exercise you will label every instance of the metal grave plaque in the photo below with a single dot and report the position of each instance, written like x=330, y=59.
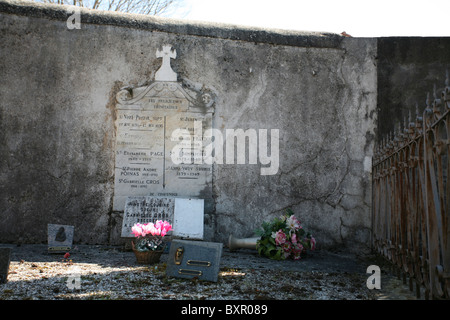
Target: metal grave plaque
x=194, y=259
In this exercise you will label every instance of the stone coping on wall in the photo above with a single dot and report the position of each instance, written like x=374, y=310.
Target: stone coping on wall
x=178, y=26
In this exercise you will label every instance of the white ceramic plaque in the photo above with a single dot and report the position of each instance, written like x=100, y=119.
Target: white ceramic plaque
x=189, y=218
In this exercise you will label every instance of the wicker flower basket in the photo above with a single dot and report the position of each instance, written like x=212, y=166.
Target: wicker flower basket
x=147, y=257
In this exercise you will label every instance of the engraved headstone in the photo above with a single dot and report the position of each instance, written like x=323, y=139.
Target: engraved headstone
x=144, y=210
x=185, y=215
x=161, y=138
x=194, y=259
x=60, y=238
x=5, y=257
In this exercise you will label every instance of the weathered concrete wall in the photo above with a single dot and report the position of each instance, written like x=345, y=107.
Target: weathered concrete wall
x=408, y=69
x=57, y=112
x=322, y=100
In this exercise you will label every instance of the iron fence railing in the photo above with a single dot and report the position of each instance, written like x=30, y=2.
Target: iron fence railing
x=411, y=198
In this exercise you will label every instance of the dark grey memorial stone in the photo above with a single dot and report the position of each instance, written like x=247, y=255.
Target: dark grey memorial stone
x=60, y=238
x=194, y=259
x=5, y=254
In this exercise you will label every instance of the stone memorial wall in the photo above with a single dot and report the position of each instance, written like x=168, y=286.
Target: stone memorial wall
x=252, y=121
x=159, y=139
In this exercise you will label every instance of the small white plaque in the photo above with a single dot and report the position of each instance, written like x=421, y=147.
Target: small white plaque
x=188, y=218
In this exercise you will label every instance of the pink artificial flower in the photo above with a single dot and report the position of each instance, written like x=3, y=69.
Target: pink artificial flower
x=158, y=224
x=287, y=249
x=166, y=227
x=280, y=237
x=286, y=246
x=294, y=238
x=67, y=255
x=146, y=229
x=137, y=230
x=297, y=250
x=154, y=231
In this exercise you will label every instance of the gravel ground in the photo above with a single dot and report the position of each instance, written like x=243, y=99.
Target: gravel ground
x=111, y=273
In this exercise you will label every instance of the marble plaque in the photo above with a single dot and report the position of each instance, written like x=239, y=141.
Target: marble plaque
x=185, y=215
x=144, y=210
x=60, y=238
x=160, y=139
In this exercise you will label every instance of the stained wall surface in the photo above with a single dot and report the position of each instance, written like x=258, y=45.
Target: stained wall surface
x=410, y=72
x=58, y=111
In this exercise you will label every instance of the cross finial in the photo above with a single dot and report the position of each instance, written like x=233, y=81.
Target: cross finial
x=165, y=73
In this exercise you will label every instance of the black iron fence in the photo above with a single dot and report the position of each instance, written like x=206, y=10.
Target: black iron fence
x=411, y=198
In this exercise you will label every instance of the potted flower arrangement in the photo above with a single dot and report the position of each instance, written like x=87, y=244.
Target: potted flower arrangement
x=284, y=238
x=149, y=244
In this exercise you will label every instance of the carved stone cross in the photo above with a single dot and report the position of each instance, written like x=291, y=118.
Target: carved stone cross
x=165, y=73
